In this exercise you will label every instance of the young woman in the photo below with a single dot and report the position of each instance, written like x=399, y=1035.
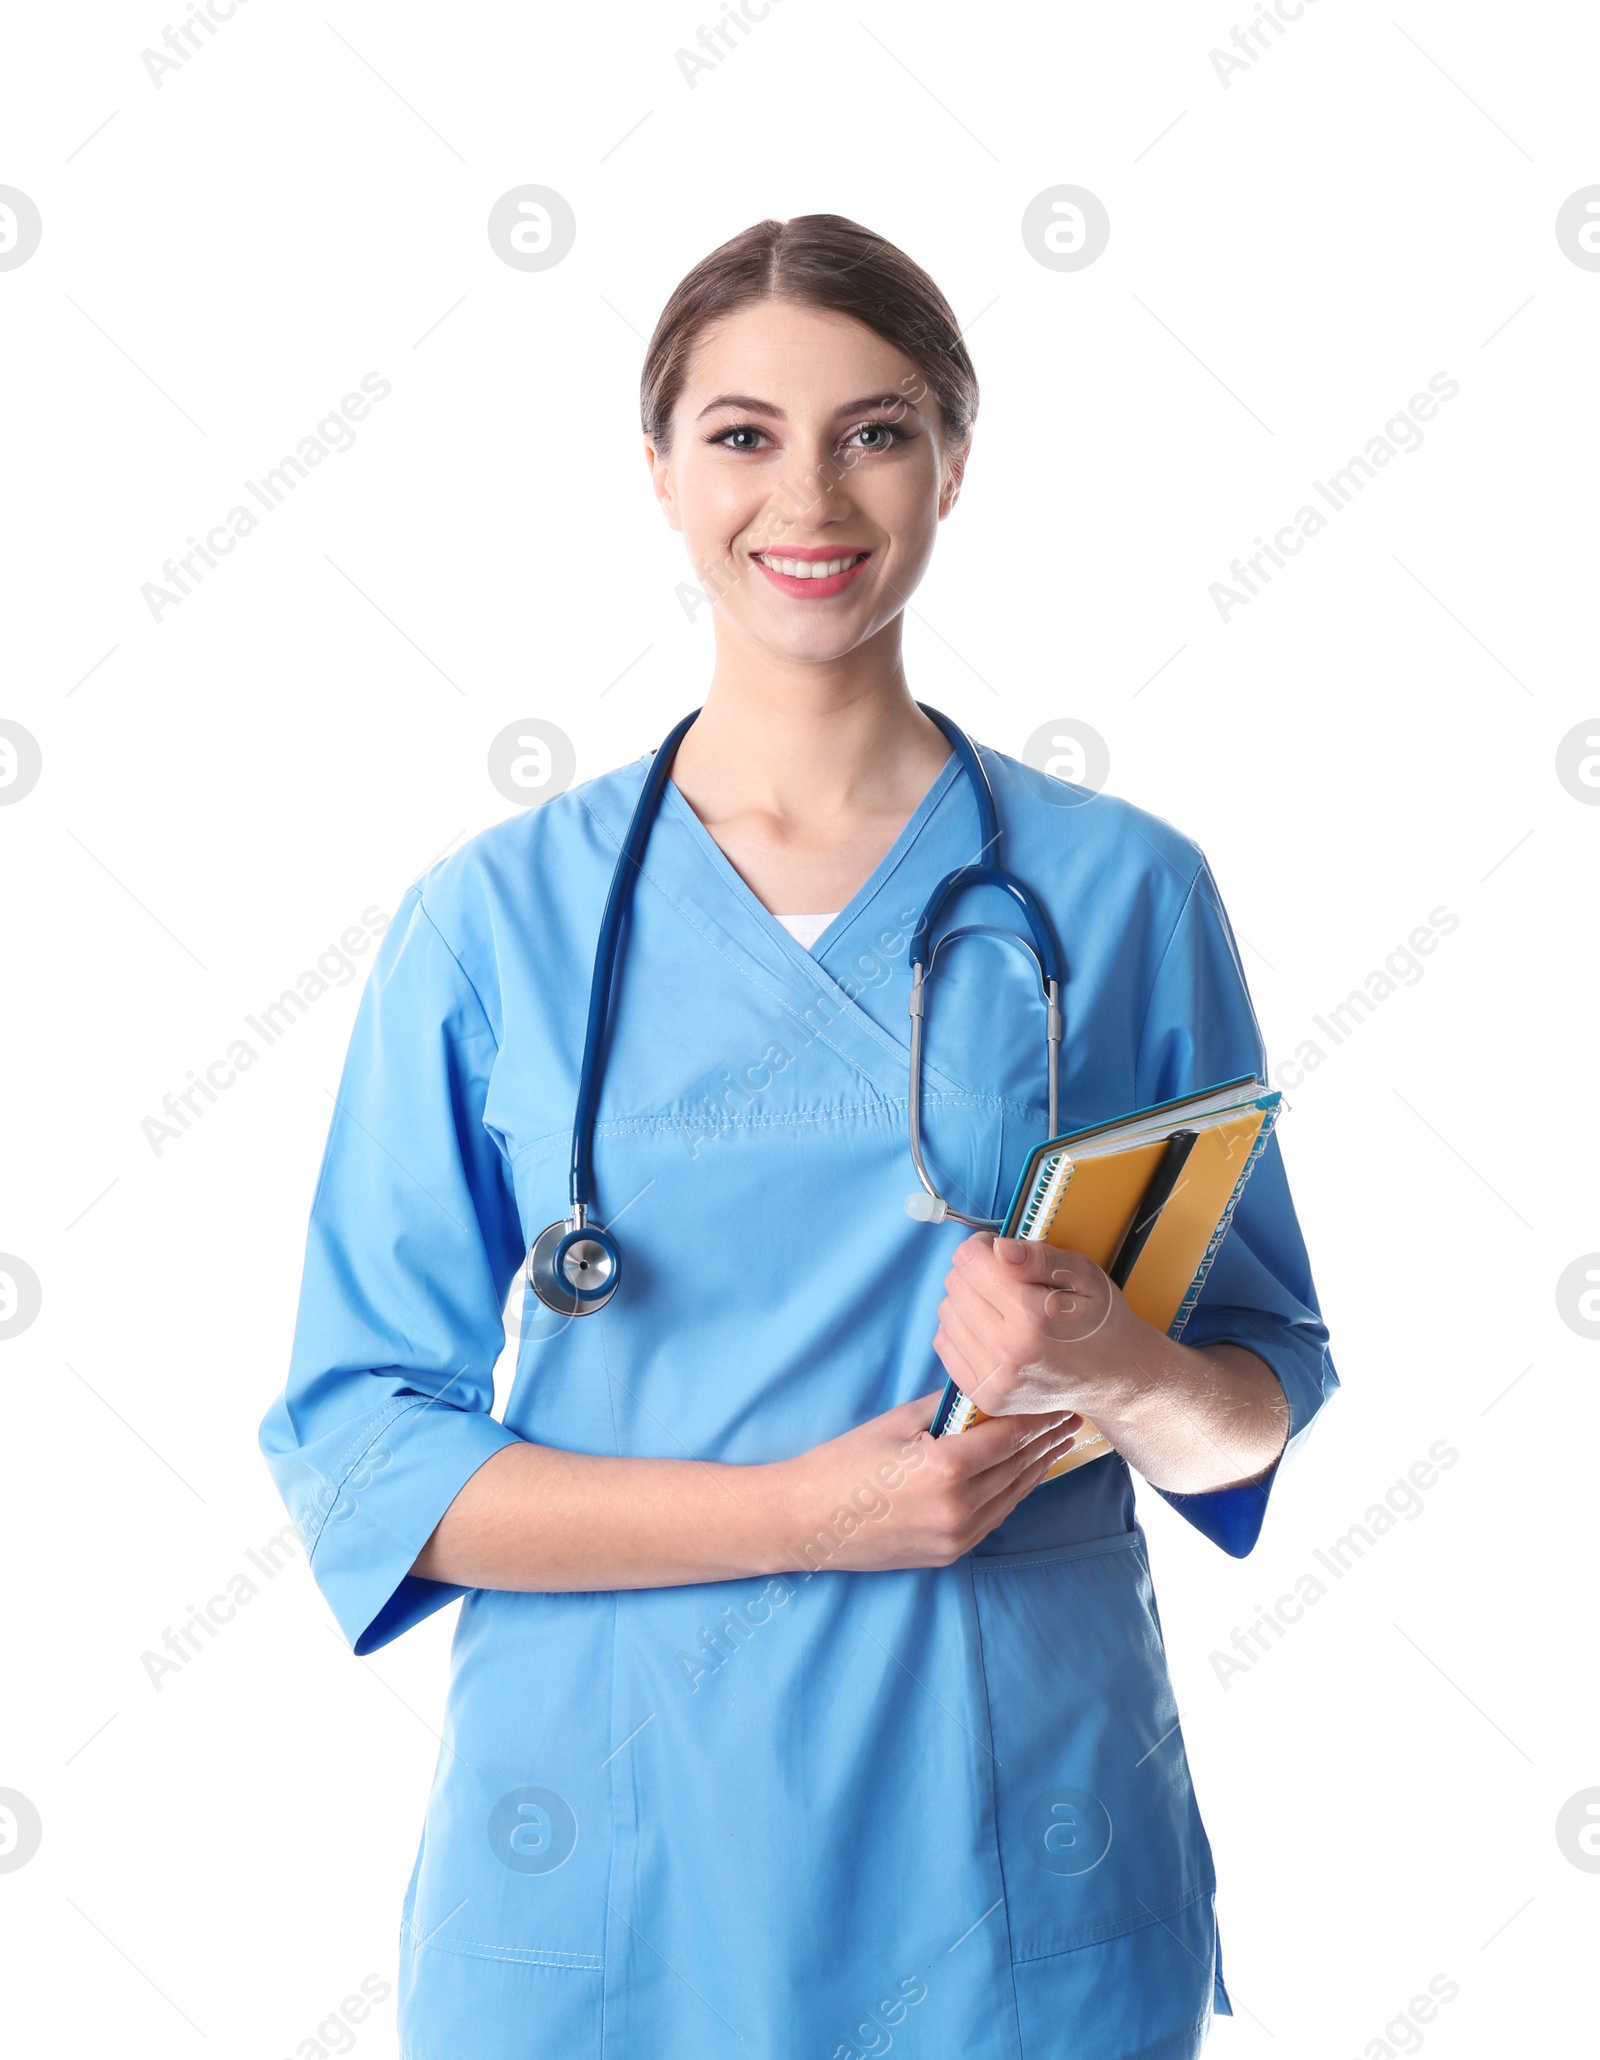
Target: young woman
x=778, y=1728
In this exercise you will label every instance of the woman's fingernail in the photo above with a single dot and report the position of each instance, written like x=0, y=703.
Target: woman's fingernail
x=1012, y=1248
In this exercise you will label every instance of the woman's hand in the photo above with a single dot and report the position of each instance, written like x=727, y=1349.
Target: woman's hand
x=886, y=1494
x=1025, y=1327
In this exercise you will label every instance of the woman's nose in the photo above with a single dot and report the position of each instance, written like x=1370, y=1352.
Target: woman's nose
x=813, y=486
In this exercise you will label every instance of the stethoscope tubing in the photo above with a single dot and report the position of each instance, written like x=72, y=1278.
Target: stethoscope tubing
x=618, y=901
x=547, y=1259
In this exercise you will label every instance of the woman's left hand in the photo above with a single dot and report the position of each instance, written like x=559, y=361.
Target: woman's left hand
x=1026, y=1328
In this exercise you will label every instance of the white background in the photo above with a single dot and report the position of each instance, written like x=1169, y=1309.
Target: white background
x=224, y=791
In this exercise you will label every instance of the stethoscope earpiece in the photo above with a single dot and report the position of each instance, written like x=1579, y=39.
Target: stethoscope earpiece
x=927, y=942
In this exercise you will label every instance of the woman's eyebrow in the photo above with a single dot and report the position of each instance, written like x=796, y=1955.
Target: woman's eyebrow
x=746, y=401
x=752, y=406
x=878, y=400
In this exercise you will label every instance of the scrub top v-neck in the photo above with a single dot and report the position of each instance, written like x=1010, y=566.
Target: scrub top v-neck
x=795, y=1816
x=866, y=895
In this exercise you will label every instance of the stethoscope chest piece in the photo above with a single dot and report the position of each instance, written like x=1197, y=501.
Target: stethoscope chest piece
x=574, y=1267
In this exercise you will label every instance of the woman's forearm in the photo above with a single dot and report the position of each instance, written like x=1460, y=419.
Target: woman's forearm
x=882, y=1494
x=1194, y=1418
x=533, y=1517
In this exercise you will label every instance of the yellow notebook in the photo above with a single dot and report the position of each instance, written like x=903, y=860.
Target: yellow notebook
x=1148, y=1197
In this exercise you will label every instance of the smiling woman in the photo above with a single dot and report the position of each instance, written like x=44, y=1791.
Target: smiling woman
x=956, y=1729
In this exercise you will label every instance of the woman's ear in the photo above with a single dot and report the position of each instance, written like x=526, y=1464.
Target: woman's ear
x=661, y=480
x=954, y=468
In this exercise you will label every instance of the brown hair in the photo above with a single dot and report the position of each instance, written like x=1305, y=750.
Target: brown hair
x=818, y=261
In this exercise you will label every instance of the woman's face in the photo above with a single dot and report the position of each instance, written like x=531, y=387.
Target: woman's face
x=803, y=441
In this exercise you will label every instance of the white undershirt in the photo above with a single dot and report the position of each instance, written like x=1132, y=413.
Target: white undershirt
x=807, y=929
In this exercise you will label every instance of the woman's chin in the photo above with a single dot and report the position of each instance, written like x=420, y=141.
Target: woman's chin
x=798, y=633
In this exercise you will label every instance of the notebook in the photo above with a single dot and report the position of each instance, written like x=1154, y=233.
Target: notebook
x=1149, y=1197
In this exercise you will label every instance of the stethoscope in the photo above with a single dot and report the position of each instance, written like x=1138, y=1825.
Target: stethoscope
x=575, y=1264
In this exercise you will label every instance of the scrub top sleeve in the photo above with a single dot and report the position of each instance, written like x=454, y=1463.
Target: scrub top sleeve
x=1200, y=1030
x=413, y=1242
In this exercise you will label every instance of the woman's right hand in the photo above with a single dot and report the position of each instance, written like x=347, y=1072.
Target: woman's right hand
x=886, y=1494
x=535, y=1517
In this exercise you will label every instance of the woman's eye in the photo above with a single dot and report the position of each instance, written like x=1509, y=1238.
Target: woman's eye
x=866, y=436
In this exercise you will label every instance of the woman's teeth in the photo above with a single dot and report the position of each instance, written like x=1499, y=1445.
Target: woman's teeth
x=810, y=568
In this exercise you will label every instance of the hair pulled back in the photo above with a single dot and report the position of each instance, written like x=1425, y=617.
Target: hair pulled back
x=817, y=261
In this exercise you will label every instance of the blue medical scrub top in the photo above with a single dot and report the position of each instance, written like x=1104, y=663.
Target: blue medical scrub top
x=806, y=1817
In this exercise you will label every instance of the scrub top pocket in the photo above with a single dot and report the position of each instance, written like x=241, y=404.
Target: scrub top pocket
x=1098, y=1828
x=495, y=2007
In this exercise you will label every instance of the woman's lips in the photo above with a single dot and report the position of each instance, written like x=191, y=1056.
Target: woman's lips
x=813, y=582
